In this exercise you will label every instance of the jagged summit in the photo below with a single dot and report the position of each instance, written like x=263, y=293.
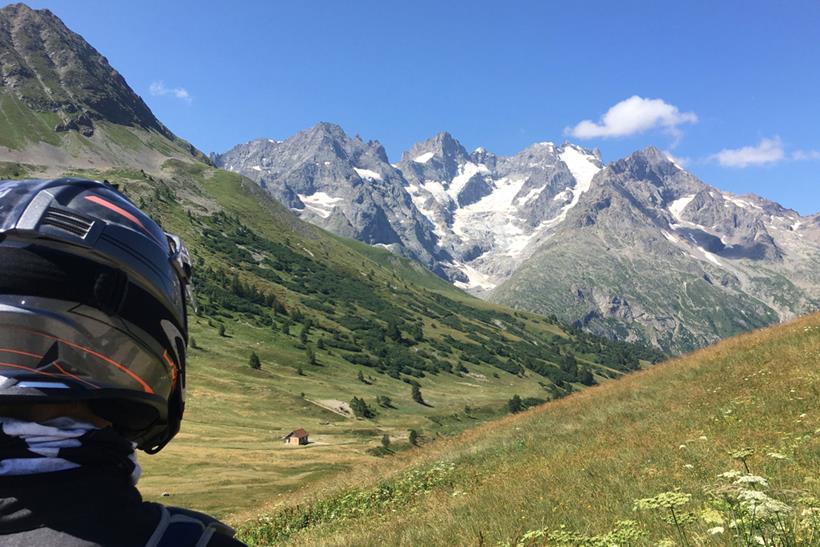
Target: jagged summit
x=635, y=249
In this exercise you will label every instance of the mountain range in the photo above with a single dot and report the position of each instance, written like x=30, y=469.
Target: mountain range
x=639, y=249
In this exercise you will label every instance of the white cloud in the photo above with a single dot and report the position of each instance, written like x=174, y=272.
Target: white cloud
x=632, y=116
x=158, y=89
x=765, y=152
x=806, y=155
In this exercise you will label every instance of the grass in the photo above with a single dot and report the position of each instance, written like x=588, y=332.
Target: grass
x=574, y=468
x=21, y=126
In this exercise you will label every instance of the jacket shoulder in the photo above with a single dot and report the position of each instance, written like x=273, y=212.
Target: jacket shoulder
x=180, y=527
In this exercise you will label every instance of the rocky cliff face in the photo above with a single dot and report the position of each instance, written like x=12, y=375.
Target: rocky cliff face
x=342, y=184
x=491, y=212
x=652, y=253
x=638, y=250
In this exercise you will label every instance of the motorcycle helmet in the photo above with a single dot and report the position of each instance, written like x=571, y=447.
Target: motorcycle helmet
x=92, y=306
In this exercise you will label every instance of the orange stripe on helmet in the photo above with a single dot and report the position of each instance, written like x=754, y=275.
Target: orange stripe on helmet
x=18, y=352
x=145, y=387
x=120, y=211
x=172, y=366
x=74, y=376
x=56, y=364
x=30, y=369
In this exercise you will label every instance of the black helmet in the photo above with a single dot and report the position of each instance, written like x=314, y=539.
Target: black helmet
x=92, y=306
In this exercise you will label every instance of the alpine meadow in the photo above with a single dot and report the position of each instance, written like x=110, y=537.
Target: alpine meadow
x=529, y=348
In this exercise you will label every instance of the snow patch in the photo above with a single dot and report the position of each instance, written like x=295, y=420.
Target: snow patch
x=670, y=237
x=256, y=168
x=742, y=203
x=424, y=158
x=320, y=203
x=367, y=174
x=563, y=195
x=676, y=207
x=477, y=280
x=532, y=194
x=583, y=168
x=711, y=257
x=465, y=173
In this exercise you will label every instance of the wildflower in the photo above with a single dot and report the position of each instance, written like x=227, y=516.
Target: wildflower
x=742, y=454
x=689, y=466
x=711, y=516
x=682, y=447
x=665, y=500
x=733, y=474
x=703, y=438
x=752, y=479
x=753, y=496
x=715, y=531
x=777, y=456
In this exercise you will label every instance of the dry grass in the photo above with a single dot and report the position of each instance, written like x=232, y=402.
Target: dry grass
x=583, y=460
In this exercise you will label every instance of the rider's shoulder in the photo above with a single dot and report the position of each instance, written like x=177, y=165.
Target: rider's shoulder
x=180, y=527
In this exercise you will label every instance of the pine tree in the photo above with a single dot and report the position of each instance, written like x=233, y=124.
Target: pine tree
x=360, y=377
x=393, y=331
x=515, y=405
x=193, y=343
x=386, y=441
x=360, y=408
x=416, y=394
x=254, y=361
x=311, y=355
x=222, y=330
x=413, y=437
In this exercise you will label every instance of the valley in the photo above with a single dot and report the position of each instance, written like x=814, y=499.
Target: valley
x=516, y=350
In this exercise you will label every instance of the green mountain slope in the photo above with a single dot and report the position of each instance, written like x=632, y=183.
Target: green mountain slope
x=329, y=319
x=729, y=433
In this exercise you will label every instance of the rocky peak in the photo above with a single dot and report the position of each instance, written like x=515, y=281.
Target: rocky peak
x=437, y=158
x=52, y=69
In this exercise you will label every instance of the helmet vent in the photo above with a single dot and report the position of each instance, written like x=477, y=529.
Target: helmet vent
x=68, y=221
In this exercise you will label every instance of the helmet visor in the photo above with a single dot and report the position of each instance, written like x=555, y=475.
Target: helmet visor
x=63, y=349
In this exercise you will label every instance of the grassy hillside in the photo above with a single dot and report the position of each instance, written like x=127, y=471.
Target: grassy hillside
x=329, y=319
x=588, y=469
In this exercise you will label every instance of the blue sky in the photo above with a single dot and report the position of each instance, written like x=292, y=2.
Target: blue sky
x=731, y=88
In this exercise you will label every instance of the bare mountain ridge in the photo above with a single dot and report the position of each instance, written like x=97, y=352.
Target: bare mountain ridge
x=639, y=249
x=61, y=100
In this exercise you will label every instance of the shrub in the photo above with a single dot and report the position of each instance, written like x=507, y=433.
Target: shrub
x=254, y=361
x=515, y=405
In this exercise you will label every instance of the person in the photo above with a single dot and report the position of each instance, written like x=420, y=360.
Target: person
x=93, y=338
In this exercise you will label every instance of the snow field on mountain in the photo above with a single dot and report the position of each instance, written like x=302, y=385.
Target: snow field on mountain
x=320, y=203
